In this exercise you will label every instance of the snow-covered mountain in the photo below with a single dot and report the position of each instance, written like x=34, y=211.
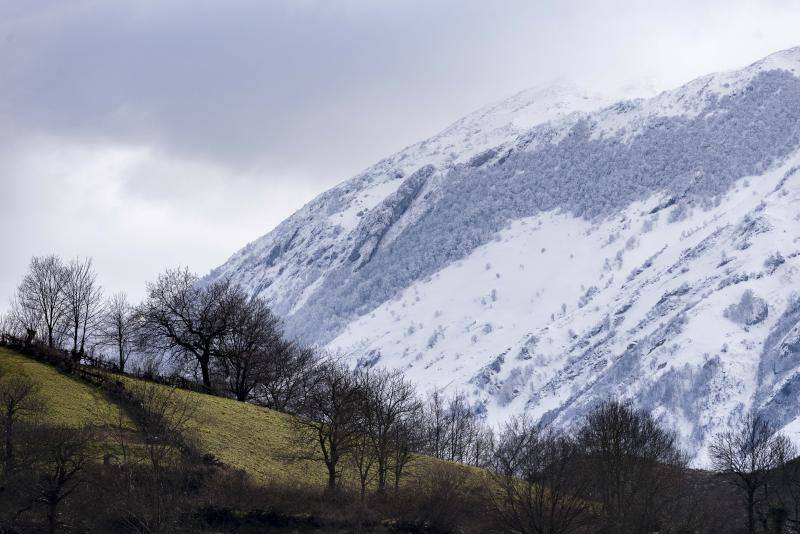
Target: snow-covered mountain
x=555, y=249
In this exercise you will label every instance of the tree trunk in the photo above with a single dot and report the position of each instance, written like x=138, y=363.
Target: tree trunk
x=75, y=339
x=8, y=456
x=51, y=517
x=382, y=475
x=331, y=478
x=204, y=361
x=83, y=332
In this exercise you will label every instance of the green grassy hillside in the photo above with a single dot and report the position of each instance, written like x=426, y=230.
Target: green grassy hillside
x=68, y=401
x=260, y=441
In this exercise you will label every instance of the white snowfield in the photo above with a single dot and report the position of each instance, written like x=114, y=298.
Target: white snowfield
x=555, y=250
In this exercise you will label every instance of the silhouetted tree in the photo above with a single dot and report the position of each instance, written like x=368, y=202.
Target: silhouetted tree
x=389, y=402
x=19, y=396
x=83, y=301
x=746, y=455
x=452, y=431
x=63, y=453
x=24, y=321
x=362, y=457
x=434, y=424
x=182, y=317
x=119, y=328
x=289, y=368
x=327, y=416
x=252, y=339
x=536, y=473
x=6, y=327
x=42, y=295
x=633, y=467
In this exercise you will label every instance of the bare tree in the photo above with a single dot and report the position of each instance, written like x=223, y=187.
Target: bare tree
x=746, y=455
x=634, y=468
x=787, y=496
x=453, y=431
x=535, y=471
x=459, y=421
x=83, y=300
x=185, y=318
x=389, y=401
x=435, y=424
x=163, y=415
x=254, y=337
x=42, y=294
x=150, y=468
x=24, y=321
x=363, y=459
x=406, y=438
x=6, y=327
x=63, y=454
x=119, y=327
x=481, y=444
x=19, y=396
x=289, y=368
x=327, y=417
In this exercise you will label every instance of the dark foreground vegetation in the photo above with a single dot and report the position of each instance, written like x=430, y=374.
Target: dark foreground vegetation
x=394, y=461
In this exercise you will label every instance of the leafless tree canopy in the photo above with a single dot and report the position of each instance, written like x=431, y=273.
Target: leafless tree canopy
x=453, y=431
x=83, y=301
x=327, y=417
x=184, y=318
x=63, y=453
x=541, y=490
x=41, y=297
x=387, y=414
x=19, y=396
x=119, y=327
x=747, y=455
x=631, y=463
x=251, y=341
x=289, y=371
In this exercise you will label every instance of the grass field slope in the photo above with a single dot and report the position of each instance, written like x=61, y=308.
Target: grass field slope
x=261, y=442
x=254, y=439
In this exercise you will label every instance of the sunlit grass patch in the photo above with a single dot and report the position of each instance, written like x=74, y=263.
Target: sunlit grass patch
x=67, y=401
x=261, y=442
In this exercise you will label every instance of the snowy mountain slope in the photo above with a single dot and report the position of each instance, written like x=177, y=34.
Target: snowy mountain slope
x=549, y=251
x=560, y=312
x=285, y=264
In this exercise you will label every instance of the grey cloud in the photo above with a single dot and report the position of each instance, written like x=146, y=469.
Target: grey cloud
x=152, y=133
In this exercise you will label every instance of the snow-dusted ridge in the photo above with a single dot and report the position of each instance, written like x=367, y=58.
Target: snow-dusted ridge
x=554, y=249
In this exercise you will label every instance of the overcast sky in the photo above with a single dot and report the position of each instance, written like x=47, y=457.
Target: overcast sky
x=150, y=134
